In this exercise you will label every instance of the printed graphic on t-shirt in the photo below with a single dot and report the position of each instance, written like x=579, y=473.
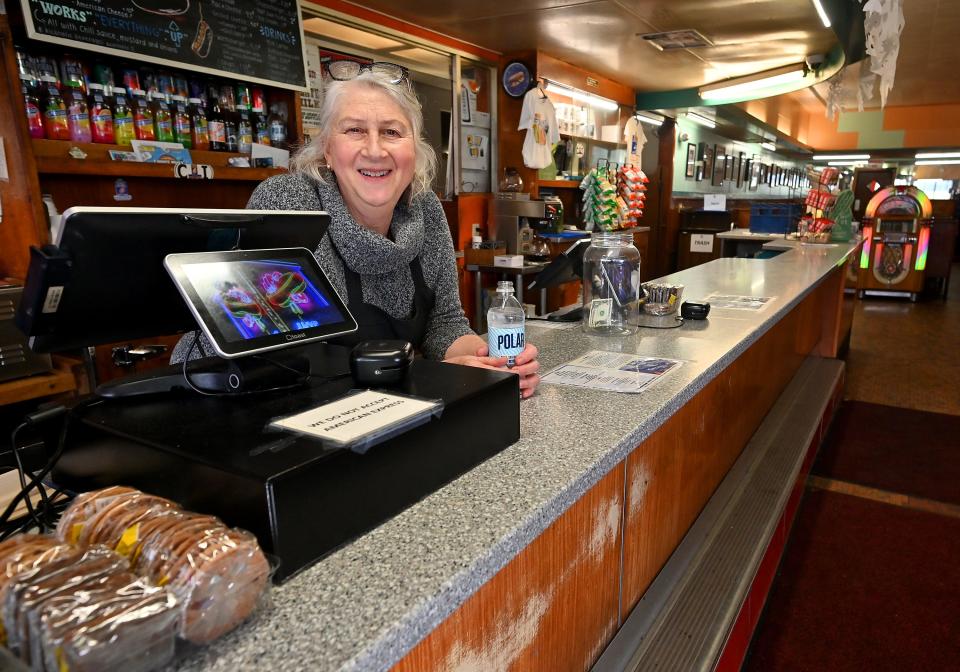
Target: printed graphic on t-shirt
x=541, y=129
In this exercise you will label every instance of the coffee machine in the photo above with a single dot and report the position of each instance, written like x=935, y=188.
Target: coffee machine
x=508, y=217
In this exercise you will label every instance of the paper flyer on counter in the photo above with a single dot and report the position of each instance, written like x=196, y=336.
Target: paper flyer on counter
x=734, y=302
x=612, y=371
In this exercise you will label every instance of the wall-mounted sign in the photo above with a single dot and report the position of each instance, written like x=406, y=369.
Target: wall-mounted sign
x=701, y=242
x=193, y=171
x=258, y=42
x=516, y=79
x=593, y=83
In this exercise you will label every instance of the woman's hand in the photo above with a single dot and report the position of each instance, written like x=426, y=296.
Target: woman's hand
x=526, y=365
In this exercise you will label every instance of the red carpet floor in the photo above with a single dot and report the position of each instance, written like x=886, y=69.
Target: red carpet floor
x=863, y=586
x=896, y=449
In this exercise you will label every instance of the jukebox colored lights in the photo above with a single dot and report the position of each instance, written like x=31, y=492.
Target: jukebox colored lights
x=922, y=246
x=865, y=250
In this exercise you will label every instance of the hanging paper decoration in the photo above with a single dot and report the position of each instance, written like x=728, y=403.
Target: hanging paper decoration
x=866, y=85
x=834, y=96
x=882, y=24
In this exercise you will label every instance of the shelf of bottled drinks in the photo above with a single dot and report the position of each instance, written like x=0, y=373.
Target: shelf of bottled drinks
x=95, y=105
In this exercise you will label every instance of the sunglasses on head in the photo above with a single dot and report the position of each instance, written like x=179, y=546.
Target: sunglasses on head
x=344, y=70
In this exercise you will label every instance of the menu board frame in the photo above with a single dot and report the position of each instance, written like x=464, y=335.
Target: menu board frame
x=34, y=34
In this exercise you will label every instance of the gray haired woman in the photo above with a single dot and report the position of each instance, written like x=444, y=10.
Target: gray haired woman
x=388, y=249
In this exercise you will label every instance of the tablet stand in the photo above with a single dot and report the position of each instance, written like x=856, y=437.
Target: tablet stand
x=217, y=376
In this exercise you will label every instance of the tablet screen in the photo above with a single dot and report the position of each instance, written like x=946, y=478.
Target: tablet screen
x=251, y=301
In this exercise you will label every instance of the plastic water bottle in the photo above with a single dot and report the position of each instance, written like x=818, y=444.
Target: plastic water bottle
x=505, y=330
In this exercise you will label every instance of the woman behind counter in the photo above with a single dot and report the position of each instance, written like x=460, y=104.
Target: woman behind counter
x=388, y=249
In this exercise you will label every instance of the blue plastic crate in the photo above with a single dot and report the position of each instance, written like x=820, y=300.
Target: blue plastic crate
x=774, y=217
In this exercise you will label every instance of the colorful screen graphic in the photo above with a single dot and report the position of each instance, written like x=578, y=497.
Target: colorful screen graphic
x=250, y=299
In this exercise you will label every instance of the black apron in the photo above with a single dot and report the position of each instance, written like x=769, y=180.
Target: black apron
x=375, y=323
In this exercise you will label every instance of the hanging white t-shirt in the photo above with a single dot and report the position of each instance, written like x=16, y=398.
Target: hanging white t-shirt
x=635, y=139
x=539, y=118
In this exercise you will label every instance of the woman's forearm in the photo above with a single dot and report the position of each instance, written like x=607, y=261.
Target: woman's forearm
x=468, y=344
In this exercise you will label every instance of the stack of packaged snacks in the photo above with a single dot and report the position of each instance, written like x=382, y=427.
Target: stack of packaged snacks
x=216, y=572
x=599, y=199
x=631, y=194
x=125, y=575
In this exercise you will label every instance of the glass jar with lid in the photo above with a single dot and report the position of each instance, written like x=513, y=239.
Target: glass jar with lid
x=611, y=284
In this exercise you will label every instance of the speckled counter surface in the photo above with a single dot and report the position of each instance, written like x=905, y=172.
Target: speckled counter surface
x=366, y=605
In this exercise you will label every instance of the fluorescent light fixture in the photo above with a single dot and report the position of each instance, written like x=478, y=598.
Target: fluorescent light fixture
x=841, y=157
x=769, y=146
x=702, y=120
x=847, y=163
x=938, y=155
x=823, y=13
x=939, y=162
x=737, y=87
x=582, y=96
x=649, y=120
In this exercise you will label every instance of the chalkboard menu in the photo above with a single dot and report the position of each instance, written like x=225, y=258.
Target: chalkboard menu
x=254, y=40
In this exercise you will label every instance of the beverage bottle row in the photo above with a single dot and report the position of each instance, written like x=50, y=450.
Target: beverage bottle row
x=81, y=108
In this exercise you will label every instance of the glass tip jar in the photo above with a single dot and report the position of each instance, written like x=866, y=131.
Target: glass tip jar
x=611, y=285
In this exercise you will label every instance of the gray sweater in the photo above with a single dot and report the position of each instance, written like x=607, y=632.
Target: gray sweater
x=418, y=228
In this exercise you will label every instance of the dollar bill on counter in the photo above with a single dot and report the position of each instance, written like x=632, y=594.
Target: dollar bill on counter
x=612, y=371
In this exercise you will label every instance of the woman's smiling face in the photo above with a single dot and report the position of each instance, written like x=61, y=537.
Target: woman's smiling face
x=371, y=150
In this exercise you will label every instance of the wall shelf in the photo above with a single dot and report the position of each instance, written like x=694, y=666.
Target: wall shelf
x=53, y=158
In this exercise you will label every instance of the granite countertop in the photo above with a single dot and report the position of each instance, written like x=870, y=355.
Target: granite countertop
x=366, y=605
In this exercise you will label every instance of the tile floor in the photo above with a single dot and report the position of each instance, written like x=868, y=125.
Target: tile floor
x=907, y=354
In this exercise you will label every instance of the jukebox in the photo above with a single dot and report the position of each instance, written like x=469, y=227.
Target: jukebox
x=896, y=234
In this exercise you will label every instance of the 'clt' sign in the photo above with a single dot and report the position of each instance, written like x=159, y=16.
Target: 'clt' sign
x=193, y=171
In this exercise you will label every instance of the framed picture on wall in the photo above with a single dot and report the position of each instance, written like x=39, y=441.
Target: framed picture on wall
x=764, y=173
x=728, y=168
x=743, y=167
x=691, y=160
x=754, y=174
x=707, y=162
x=719, y=154
x=776, y=176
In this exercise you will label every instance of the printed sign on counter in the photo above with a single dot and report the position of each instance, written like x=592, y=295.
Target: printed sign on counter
x=611, y=371
x=701, y=242
x=714, y=202
x=361, y=420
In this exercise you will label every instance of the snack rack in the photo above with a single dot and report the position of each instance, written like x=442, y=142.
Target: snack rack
x=816, y=226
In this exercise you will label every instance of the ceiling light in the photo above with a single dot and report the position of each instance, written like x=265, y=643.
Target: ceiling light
x=841, y=157
x=737, y=87
x=582, y=96
x=847, y=163
x=769, y=146
x=938, y=155
x=649, y=120
x=702, y=120
x=822, y=12
x=939, y=162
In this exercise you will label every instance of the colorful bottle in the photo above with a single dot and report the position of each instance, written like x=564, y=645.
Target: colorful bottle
x=215, y=125
x=142, y=117
x=31, y=106
x=101, y=116
x=243, y=97
x=78, y=116
x=181, y=121
x=123, y=126
x=162, y=119
x=261, y=127
x=278, y=131
x=199, y=132
x=257, y=100
x=244, y=132
x=54, y=110
x=72, y=73
x=131, y=80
